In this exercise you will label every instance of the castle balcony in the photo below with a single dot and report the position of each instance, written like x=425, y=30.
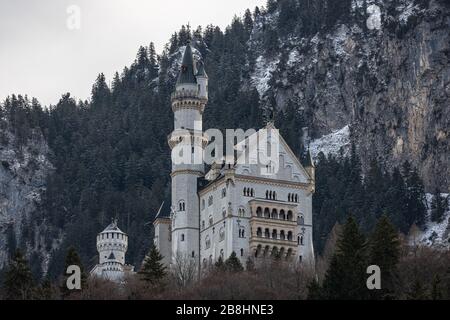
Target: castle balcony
x=273, y=228
x=190, y=136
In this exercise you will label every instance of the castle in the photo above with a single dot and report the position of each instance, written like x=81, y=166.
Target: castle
x=233, y=207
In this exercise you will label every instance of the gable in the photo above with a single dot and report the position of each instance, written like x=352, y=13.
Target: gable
x=289, y=167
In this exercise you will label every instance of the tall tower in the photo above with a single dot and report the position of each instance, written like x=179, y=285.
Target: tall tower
x=187, y=144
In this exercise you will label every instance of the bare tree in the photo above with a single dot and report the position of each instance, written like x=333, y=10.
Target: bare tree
x=184, y=270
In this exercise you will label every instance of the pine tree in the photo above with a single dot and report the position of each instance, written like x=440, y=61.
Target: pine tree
x=153, y=270
x=384, y=251
x=439, y=205
x=219, y=265
x=233, y=264
x=346, y=276
x=18, y=282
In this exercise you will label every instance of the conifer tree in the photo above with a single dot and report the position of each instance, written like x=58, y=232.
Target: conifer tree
x=153, y=270
x=346, y=276
x=384, y=251
x=233, y=264
x=18, y=281
x=219, y=265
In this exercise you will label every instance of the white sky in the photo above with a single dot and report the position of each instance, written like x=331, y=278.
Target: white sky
x=40, y=56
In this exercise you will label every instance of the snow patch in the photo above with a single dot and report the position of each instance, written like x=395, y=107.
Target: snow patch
x=374, y=20
x=332, y=143
x=339, y=39
x=406, y=11
x=263, y=73
x=436, y=234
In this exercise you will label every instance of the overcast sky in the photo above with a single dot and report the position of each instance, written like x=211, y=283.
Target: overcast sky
x=44, y=54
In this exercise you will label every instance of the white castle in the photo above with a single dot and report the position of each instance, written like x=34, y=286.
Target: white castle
x=232, y=207
x=112, y=245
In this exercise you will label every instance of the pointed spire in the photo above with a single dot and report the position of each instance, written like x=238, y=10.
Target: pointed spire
x=309, y=162
x=187, y=72
x=201, y=70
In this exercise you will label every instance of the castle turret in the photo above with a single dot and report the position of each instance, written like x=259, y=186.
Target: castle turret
x=112, y=245
x=187, y=144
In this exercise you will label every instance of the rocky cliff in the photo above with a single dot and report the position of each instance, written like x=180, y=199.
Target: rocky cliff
x=384, y=71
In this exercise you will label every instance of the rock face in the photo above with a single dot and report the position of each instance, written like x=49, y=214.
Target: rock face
x=386, y=75
x=23, y=172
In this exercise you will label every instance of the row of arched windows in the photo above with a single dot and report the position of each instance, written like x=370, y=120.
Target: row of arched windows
x=274, y=252
x=274, y=234
x=249, y=192
x=292, y=197
x=271, y=195
x=182, y=205
x=274, y=214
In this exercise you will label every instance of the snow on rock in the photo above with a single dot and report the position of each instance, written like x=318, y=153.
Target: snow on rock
x=332, y=143
x=263, y=73
x=406, y=10
x=436, y=235
x=373, y=22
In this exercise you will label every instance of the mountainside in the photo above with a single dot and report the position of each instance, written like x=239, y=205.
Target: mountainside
x=370, y=74
x=383, y=69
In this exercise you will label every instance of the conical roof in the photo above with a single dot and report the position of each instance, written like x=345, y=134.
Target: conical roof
x=187, y=72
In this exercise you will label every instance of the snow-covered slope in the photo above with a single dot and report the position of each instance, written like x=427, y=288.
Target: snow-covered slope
x=332, y=143
x=436, y=234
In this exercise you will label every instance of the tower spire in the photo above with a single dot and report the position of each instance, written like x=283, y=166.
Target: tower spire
x=187, y=72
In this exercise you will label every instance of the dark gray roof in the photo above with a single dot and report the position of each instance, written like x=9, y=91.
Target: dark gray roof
x=164, y=209
x=112, y=227
x=187, y=72
x=201, y=72
x=308, y=161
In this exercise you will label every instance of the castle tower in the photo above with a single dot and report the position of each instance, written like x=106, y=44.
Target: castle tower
x=112, y=245
x=187, y=144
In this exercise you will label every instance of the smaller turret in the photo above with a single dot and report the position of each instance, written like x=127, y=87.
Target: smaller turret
x=309, y=165
x=202, y=80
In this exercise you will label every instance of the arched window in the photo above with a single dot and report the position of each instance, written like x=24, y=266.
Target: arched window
x=224, y=193
x=241, y=232
x=221, y=253
x=289, y=215
x=259, y=212
x=282, y=235
x=242, y=252
x=259, y=232
x=274, y=214
x=274, y=234
x=203, y=224
x=274, y=196
x=282, y=215
x=211, y=221
x=204, y=263
x=296, y=198
x=210, y=200
x=221, y=234
x=224, y=213
x=207, y=242
x=182, y=237
x=267, y=233
x=181, y=205
x=267, y=194
x=300, y=220
x=203, y=204
x=289, y=236
x=253, y=192
x=289, y=197
x=245, y=192
x=267, y=213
